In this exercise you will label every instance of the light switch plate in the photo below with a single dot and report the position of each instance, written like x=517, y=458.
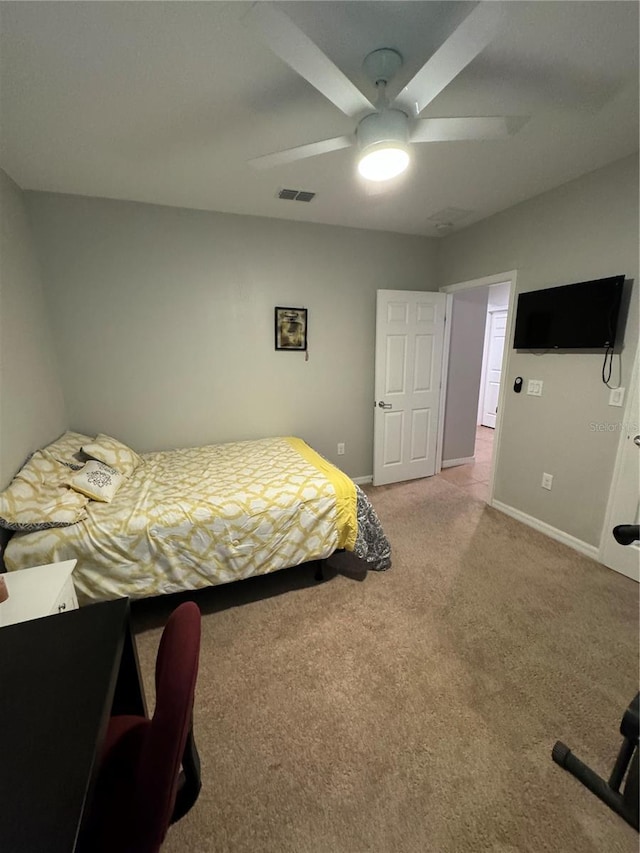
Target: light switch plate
x=534, y=387
x=616, y=397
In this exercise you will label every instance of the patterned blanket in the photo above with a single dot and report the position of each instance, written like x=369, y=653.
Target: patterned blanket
x=195, y=517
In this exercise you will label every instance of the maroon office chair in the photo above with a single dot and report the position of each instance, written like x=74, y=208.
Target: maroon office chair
x=140, y=789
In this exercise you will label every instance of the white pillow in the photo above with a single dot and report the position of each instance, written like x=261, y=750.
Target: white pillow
x=67, y=449
x=112, y=452
x=97, y=481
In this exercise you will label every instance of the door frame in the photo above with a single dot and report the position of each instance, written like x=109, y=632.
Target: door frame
x=609, y=521
x=511, y=277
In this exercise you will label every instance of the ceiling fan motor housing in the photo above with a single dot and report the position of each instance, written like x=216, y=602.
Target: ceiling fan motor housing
x=388, y=127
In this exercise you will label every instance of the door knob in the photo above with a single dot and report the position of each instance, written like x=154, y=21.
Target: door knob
x=626, y=534
x=382, y=405
x=636, y=440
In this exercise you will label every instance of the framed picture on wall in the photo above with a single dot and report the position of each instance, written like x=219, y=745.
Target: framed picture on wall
x=291, y=329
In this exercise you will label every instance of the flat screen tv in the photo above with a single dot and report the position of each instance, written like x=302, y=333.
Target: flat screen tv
x=574, y=316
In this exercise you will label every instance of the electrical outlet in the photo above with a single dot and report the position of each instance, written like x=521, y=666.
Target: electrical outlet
x=616, y=397
x=341, y=448
x=534, y=387
x=547, y=481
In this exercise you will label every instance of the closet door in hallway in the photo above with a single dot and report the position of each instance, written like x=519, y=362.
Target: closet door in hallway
x=495, y=349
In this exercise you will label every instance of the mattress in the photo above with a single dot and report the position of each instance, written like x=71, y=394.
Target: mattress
x=195, y=517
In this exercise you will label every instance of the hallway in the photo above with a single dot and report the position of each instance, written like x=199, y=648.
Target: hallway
x=474, y=477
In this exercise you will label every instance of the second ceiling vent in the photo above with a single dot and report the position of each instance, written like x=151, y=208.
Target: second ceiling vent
x=296, y=195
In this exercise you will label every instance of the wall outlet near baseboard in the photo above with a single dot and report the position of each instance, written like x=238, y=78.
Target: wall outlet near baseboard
x=534, y=387
x=341, y=448
x=616, y=397
x=547, y=481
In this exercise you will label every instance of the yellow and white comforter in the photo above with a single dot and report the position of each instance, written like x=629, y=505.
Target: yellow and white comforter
x=191, y=518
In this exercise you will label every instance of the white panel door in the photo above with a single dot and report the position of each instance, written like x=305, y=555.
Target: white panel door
x=497, y=331
x=408, y=373
x=624, y=507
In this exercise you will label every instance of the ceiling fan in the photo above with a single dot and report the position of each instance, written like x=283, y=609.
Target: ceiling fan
x=385, y=131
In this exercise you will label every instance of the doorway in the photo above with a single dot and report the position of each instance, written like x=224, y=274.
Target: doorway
x=479, y=319
x=474, y=477
x=624, y=497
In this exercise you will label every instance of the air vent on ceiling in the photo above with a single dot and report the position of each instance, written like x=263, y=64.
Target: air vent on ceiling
x=296, y=195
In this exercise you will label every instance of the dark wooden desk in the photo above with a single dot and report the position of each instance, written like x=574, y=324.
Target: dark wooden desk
x=60, y=679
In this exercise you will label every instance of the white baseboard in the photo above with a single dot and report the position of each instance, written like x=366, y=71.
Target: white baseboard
x=450, y=463
x=552, y=532
x=363, y=481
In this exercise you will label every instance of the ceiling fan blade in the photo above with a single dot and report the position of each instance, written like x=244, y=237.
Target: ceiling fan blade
x=288, y=42
x=462, y=46
x=459, y=129
x=290, y=155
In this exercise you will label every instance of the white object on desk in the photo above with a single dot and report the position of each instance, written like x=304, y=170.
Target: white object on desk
x=40, y=591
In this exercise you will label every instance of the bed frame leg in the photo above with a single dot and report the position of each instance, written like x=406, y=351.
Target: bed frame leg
x=319, y=575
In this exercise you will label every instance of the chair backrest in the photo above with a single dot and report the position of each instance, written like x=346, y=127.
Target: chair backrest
x=135, y=796
x=164, y=744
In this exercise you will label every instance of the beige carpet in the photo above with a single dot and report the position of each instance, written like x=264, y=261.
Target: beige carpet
x=413, y=710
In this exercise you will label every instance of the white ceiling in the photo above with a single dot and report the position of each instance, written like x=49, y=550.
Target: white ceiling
x=165, y=103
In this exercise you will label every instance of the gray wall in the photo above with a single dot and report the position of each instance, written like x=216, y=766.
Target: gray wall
x=585, y=229
x=32, y=409
x=468, y=321
x=165, y=331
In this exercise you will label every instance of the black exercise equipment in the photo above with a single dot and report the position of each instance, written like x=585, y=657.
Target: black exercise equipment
x=625, y=802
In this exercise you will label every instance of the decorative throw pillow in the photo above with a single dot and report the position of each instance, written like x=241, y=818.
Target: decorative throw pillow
x=68, y=449
x=114, y=453
x=37, y=498
x=97, y=481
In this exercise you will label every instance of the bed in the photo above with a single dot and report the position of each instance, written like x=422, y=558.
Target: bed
x=194, y=517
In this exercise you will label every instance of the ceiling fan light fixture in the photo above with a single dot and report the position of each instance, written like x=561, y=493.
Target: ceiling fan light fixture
x=383, y=161
x=383, y=143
